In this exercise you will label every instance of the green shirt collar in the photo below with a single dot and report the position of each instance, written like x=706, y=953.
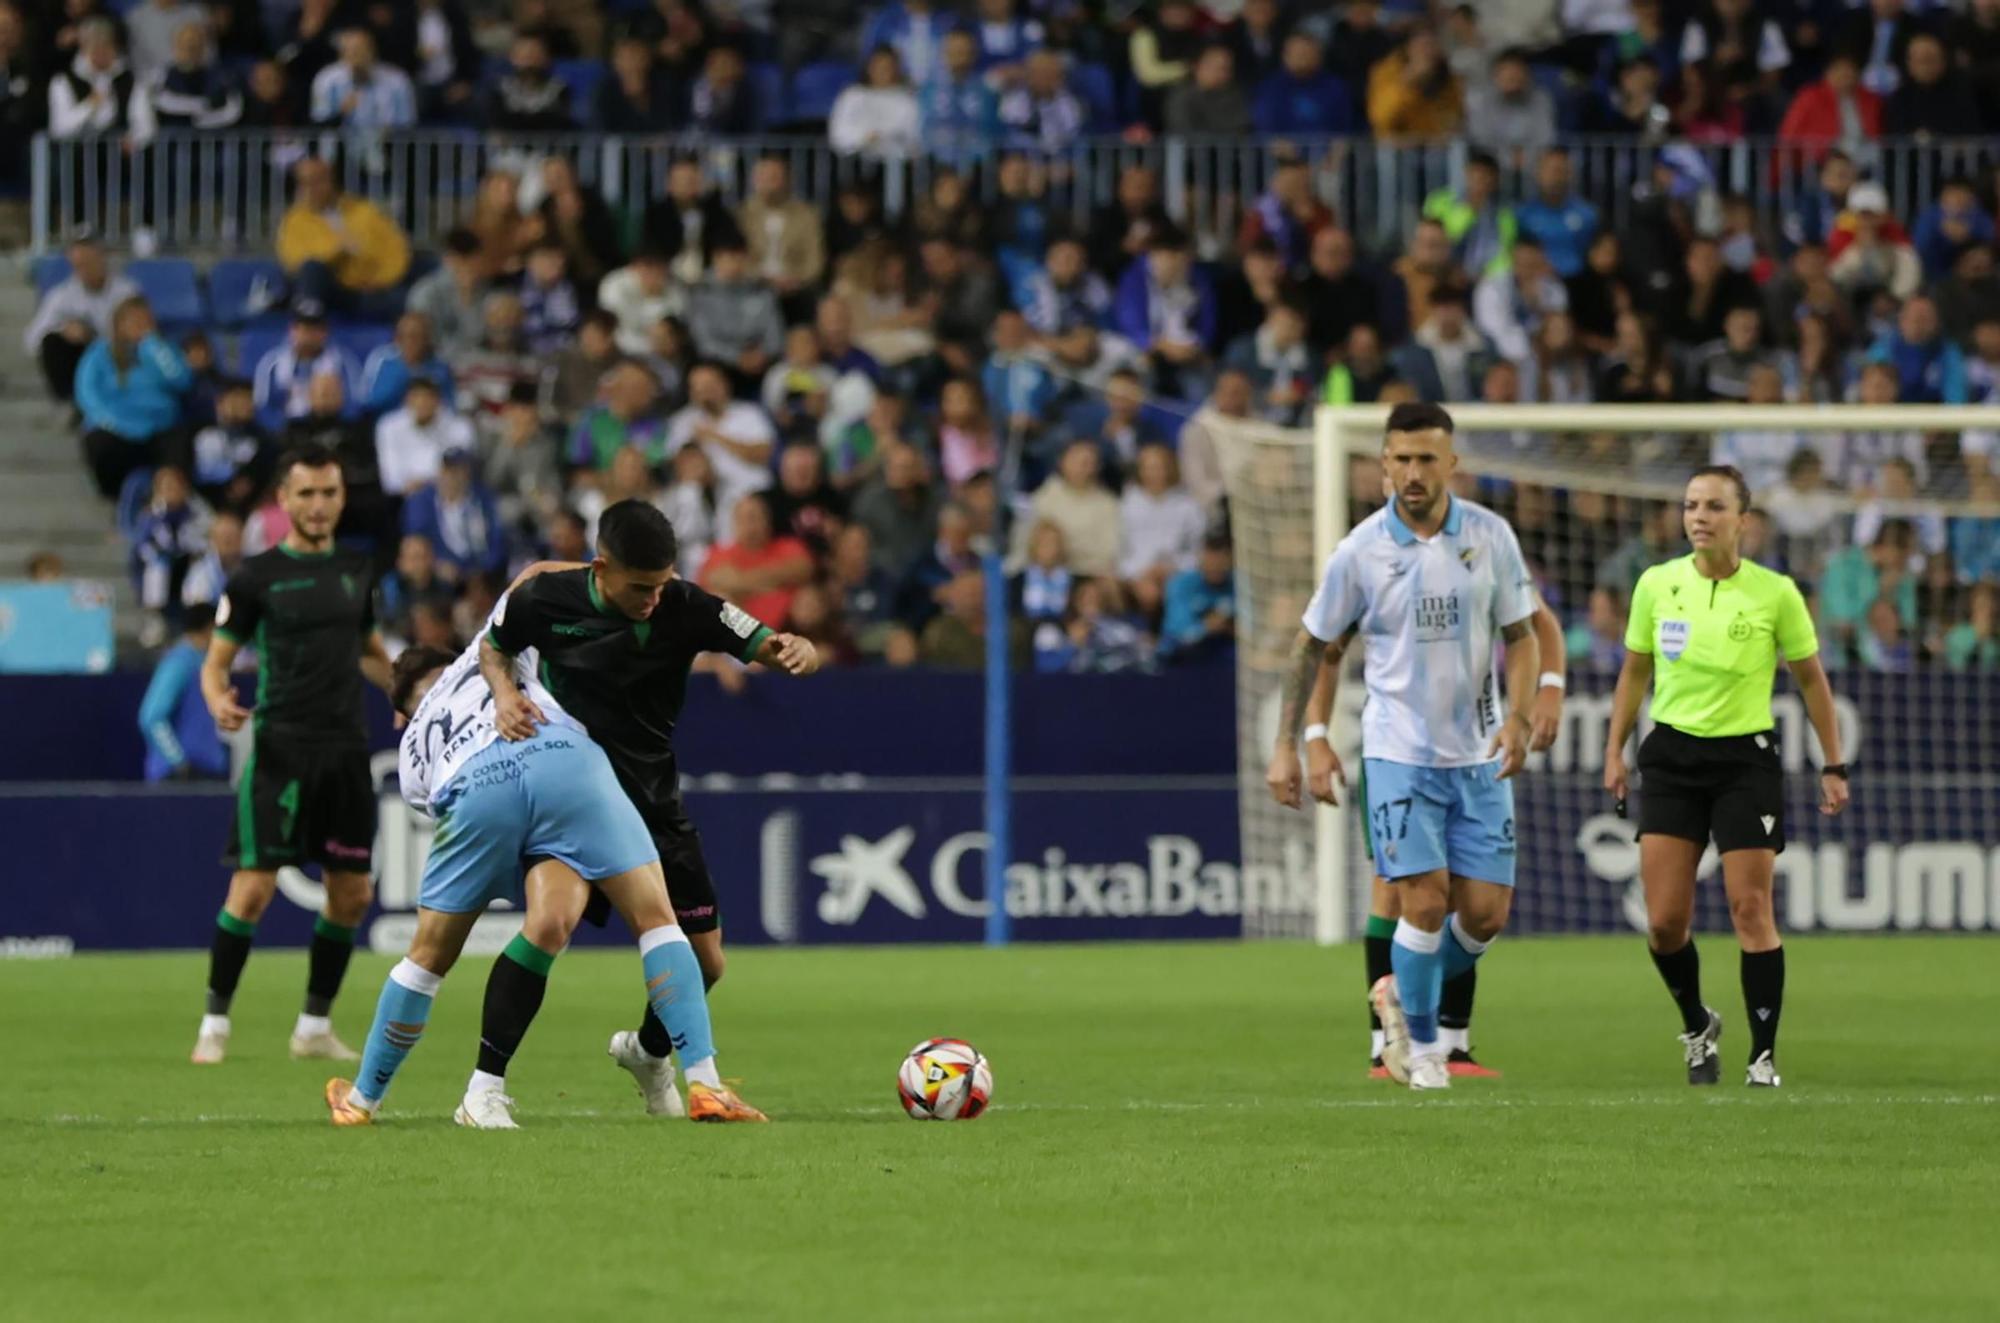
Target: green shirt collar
x=597, y=598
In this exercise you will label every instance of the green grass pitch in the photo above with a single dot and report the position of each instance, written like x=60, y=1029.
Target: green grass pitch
x=1179, y=1132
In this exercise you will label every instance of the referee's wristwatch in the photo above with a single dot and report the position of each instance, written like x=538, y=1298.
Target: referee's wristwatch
x=1834, y=769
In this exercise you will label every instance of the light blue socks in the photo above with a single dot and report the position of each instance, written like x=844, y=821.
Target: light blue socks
x=400, y=1015
x=674, y=990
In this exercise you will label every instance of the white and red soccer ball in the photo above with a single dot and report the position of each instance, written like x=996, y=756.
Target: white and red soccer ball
x=944, y=1079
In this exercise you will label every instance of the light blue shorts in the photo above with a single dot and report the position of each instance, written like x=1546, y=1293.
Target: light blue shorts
x=1455, y=818
x=553, y=796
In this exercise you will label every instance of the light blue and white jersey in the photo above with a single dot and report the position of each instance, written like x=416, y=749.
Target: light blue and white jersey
x=455, y=722
x=1428, y=613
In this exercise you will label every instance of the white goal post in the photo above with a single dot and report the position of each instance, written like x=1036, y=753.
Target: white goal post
x=1522, y=444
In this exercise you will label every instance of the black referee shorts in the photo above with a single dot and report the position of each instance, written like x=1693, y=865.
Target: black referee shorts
x=1731, y=788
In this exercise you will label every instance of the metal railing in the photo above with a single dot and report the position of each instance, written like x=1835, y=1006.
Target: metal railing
x=221, y=192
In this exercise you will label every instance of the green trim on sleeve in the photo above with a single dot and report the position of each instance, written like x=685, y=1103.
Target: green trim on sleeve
x=756, y=642
x=493, y=637
x=231, y=637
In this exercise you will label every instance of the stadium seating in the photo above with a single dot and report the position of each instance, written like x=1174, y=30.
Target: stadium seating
x=51, y=269
x=172, y=286
x=774, y=102
x=1097, y=89
x=582, y=78
x=254, y=343
x=816, y=85
x=246, y=291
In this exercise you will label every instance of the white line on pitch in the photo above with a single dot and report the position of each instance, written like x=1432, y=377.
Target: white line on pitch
x=1172, y=1106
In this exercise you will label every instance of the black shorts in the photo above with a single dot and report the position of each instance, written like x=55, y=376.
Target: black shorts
x=690, y=888
x=297, y=805
x=1731, y=788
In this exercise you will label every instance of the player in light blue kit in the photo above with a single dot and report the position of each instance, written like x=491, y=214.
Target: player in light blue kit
x=549, y=804
x=1427, y=581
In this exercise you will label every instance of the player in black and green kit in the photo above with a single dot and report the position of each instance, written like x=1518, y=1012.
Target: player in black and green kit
x=1706, y=633
x=616, y=639
x=305, y=794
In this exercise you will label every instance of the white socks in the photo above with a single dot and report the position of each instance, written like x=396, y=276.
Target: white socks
x=409, y=974
x=1412, y=938
x=1454, y=1040
x=1465, y=939
x=481, y=1082
x=1375, y=1040
x=654, y=938
x=216, y=1025
x=703, y=1072
x=309, y=1026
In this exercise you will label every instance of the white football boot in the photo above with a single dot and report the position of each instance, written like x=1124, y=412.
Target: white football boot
x=321, y=1046
x=211, y=1043
x=654, y=1075
x=1395, y=1029
x=1763, y=1073
x=1429, y=1072
x=1704, y=1067
x=486, y=1109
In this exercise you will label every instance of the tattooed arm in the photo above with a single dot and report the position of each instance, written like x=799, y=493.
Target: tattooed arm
x=1523, y=660
x=1283, y=776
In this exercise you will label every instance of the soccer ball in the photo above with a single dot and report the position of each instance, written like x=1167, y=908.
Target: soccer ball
x=944, y=1079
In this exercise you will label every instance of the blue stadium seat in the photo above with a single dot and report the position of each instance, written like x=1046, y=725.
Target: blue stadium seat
x=246, y=291
x=50, y=270
x=582, y=78
x=774, y=103
x=1016, y=267
x=255, y=342
x=1098, y=91
x=171, y=285
x=134, y=495
x=816, y=85
x=362, y=338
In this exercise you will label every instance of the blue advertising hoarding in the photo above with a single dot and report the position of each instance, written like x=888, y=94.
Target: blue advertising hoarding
x=870, y=859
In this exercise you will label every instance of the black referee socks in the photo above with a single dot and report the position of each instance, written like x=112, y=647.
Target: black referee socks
x=1763, y=997
x=1681, y=971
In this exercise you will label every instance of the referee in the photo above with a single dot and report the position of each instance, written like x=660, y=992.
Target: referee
x=1706, y=631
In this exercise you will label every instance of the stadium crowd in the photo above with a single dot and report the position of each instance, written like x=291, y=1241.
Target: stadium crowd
x=841, y=410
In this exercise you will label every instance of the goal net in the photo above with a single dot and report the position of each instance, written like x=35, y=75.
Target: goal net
x=1889, y=518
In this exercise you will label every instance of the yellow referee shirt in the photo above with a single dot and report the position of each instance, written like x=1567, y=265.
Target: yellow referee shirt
x=1715, y=643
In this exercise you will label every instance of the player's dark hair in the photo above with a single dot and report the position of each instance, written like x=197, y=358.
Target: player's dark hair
x=309, y=454
x=1418, y=416
x=635, y=535
x=411, y=666
x=1731, y=474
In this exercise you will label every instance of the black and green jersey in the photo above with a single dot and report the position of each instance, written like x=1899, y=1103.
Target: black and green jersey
x=308, y=616
x=624, y=679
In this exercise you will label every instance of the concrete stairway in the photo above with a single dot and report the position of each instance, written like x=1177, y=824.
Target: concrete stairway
x=47, y=502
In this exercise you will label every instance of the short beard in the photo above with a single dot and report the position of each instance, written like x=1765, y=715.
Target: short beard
x=1417, y=512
